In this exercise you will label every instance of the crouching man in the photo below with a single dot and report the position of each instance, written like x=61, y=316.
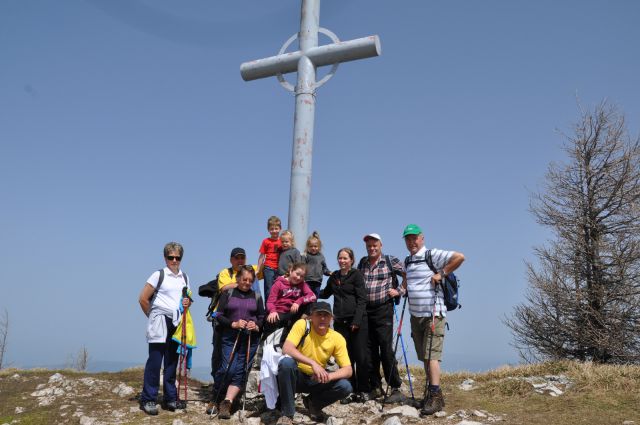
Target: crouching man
x=304, y=371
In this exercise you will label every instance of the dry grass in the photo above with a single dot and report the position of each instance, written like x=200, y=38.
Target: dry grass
x=598, y=395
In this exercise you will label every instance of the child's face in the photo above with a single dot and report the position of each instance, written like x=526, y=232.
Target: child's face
x=313, y=247
x=274, y=231
x=286, y=242
x=296, y=276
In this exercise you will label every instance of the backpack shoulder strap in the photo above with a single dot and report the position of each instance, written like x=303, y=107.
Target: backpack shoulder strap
x=306, y=332
x=429, y=261
x=361, y=263
x=393, y=273
x=157, y=288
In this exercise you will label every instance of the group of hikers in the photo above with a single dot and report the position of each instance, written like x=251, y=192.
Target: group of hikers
x=292, y=328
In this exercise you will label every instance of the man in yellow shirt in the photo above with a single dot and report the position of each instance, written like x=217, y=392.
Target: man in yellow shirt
x=303, y=369
x=227, y=276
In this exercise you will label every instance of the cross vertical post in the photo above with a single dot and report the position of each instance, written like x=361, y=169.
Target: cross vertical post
x=305, y=61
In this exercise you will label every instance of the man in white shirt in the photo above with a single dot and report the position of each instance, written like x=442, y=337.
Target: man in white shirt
x=426, y=305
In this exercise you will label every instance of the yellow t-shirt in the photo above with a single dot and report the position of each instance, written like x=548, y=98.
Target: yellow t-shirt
x=319, y=348
x=224, y=278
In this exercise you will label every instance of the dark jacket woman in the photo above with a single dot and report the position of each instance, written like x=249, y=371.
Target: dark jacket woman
x=350, y=296
x=350, y=320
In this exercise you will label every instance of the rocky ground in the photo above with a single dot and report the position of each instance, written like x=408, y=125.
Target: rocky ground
x=67, y=397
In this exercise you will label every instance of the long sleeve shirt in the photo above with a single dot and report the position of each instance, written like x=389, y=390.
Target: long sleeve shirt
x=288, y=257
x=237, y=305
x=316, y=267
x=283, y=294
x=349, y=295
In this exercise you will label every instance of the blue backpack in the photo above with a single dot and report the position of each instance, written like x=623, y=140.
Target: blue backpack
x=450, y=285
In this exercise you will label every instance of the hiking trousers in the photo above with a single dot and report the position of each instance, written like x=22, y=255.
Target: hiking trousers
x=359, y=355
x=292, y=380
x=158, y=352
x=381, y=345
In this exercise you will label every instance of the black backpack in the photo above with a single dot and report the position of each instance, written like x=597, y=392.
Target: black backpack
x=210, y=290
x=450, y=285
x=394, y=276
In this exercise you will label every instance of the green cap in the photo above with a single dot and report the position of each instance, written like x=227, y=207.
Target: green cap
x=411, y=229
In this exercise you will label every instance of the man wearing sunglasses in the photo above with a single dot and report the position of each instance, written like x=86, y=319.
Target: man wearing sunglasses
x=160, y=301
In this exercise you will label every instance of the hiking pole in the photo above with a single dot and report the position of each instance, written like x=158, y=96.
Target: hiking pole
x=404, y=351
x=395, y=350
x=182, y=359
x=226, y=372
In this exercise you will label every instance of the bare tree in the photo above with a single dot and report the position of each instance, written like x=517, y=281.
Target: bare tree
x=82, y=359
x=583, y=300
x=4, y=331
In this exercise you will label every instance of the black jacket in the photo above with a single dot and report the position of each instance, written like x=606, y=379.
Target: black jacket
x=349, y=296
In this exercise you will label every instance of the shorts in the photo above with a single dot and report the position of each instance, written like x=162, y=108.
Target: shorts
x=421, y=334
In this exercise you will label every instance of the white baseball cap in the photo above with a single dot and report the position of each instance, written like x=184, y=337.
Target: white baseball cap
x=372, y=235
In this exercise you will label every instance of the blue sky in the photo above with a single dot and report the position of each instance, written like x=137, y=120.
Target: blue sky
x=125, y=125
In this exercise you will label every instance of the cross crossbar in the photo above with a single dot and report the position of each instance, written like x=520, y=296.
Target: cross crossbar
x=328, y=54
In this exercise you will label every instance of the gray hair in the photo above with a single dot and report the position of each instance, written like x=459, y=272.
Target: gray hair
x=173, y=246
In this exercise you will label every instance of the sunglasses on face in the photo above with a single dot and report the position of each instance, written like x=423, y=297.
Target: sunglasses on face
x=174, y=258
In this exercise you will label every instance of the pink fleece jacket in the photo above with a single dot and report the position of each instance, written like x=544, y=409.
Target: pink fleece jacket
x=283, y=294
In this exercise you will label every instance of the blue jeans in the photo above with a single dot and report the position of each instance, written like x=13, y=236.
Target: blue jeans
x=292, y=380
x=270, y=276
x=235, y=374
x=315, y=287
x=158, y=351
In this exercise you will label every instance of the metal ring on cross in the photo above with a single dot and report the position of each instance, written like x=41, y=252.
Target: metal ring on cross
x=290, y=87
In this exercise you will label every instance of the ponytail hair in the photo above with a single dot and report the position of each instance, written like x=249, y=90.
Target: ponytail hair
x=314, y=236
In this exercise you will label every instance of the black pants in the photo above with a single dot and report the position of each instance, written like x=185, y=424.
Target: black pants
x=286, y=321
x=381, y=345
x=216, y=354
x=358, y=352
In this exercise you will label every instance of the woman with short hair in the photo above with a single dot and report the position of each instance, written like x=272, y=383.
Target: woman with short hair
x=161, y=300
x=240, y=316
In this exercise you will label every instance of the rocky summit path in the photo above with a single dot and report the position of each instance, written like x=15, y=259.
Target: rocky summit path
x=67, y=397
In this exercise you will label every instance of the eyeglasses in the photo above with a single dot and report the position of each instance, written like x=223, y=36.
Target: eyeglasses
x=174, y=258
x=240, y=257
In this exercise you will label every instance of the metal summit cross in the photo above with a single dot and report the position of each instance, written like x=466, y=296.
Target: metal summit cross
x=305, y=61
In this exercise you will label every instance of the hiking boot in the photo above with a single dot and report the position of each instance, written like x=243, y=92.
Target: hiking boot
x=376, y=393
x=396, y=396
x=149, y=407
x=212, y=408
x=433, y=404
x=363, y=397
x=284, y=420
x=315, y=414
x=351, y=398
x=224, y=411
x=171, y=406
